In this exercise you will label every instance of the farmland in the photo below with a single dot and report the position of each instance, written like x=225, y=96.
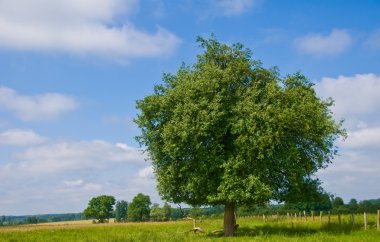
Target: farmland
x=251, y=229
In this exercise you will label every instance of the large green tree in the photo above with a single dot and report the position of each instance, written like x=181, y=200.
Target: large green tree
x=100, y=208
x=121, y=209
x=138, y=209
x=226, y=130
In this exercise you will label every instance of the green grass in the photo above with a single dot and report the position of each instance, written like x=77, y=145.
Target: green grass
x=251, y=229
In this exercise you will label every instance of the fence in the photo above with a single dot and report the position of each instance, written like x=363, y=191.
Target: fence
x=323, y=218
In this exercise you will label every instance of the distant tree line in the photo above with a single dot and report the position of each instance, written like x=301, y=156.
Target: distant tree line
x=141, y=209
x=45, y=218
x=327, y=203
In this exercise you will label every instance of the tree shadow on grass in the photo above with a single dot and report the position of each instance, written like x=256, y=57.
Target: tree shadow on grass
x=290, y=230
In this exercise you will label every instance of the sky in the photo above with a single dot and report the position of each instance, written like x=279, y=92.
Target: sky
x=72, y=70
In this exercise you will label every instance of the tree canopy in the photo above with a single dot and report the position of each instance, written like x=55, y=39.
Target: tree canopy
x=226, y=130
x=121, y=209
x=100, y=208
x=138, y=209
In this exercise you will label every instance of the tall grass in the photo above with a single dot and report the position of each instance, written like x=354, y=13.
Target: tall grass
x=251, y=229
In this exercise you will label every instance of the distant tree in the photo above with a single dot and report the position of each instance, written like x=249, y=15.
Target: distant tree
x=100, y=208
x=196, y=212
x=337, y=202
x=121, y=209
x=31, y=220
x=138, y=209
x=167, y=211
x=228, y=131
x=176, y=213
x=368, y=206
x=2, y=221
x=353, y=205
x=156, y=213
x=338, y=205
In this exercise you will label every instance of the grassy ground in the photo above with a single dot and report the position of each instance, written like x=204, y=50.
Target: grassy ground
x=251, y=229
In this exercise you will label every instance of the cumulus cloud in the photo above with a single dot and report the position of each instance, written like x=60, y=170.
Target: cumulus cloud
x=37, y=107
x=334, y=43
x=352, y=171
x=357, y=100
x=235, y=7
x=81, y=27
x=367, y=138
x=70, y=156
x=354, y=95
x=20, y=137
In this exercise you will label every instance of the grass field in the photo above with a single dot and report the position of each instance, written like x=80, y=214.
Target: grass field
x=251, y=229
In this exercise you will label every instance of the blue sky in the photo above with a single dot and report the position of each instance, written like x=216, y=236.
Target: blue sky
x=71, y=71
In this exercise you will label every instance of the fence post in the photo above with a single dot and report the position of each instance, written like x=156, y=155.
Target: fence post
x=353, y=219
x=304, y=214
x=312, y=215
x=378, y=220
x=264, y=218
x=320, y=216
x=339, y=219
x=329, y=218
x=365, y=221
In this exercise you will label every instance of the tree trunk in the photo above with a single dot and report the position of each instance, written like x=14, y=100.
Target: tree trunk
x=229, y=219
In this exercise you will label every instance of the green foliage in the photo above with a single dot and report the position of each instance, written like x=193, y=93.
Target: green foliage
x=100, y=208
x=337, y=202
x=42, y=218
x=196, y=212
x=322, y=202
x=227, y=130
x=157, y=213
x=167, y=211
x=138, y=209
x=121, y=209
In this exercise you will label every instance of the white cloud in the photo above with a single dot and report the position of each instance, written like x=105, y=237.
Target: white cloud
x=363, y=138
x=73, y=183
x=235, y=7
x=84, y=27
x=70, y=156
x=355, y=96
x=20, y=137
x=353, y=174
x=146, y=172
x=319, y=45
x=357, y=100
x=37, y=107
x=373, y=41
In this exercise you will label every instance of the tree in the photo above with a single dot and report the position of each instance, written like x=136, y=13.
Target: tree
x=138, y=209
x=31, y=220
x=167, y=211
x=228, y=131
x=156, y=213
x=121, y=209
x=196, y=212
x=337, y=202
x=353, y=205
x=100, y=208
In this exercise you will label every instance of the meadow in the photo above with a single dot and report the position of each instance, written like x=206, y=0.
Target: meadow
x=251, y=229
